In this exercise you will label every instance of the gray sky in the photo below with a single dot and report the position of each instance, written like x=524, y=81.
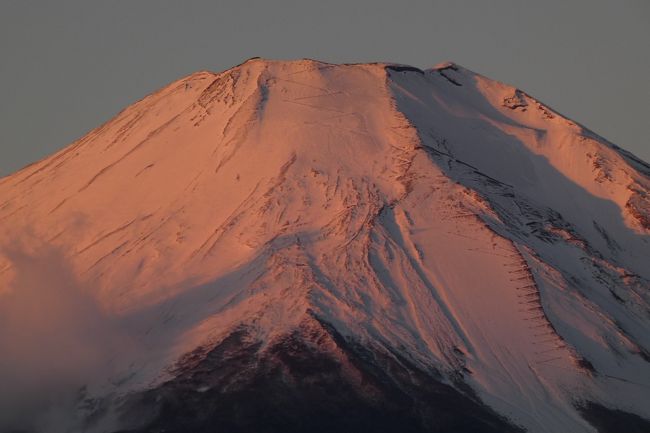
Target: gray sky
x=68, y=66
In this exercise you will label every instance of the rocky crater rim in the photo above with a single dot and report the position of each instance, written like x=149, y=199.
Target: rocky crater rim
x=266, y=62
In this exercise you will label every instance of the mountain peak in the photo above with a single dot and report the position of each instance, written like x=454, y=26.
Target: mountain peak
x=435, y=221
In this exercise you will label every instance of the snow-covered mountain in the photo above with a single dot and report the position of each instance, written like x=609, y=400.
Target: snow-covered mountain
x=302, y=246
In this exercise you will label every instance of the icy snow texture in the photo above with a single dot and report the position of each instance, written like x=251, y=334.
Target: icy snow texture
x=438, y=213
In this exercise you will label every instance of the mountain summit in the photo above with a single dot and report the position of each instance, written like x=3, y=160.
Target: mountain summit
x=303, y=246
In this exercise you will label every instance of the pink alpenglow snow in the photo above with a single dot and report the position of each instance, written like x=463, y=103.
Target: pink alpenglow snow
x=301, y=246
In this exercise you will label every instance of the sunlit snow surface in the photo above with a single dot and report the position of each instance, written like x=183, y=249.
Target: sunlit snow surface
x=445, y=215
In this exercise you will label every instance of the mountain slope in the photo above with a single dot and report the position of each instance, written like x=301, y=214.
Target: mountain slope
x=443, y=224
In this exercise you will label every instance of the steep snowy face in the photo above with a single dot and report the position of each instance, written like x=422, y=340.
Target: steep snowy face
x=436, y=214
x=194, y=179
x=565, y=303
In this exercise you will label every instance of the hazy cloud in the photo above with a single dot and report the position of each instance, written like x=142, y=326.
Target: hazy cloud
x=55, y=340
